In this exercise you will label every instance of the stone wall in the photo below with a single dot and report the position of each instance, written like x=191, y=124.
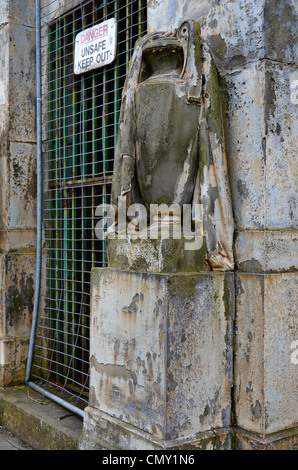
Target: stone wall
x=17, y=185
x=254, y=48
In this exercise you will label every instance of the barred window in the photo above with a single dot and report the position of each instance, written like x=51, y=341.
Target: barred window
x=80, y=115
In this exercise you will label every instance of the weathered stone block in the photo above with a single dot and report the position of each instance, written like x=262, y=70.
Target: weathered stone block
x=23, y=186
x=13, y=358
x=17, y=273
x=282, y=16
x=102, y=431
x=287, y=440
x=266, y=378
x=23, y=12
x=160, y=255
x=20, y=240
x=161, y=351
x=4, y=88
x=225, y=26
x=16, y=307
x=262, y=117
x=3, y=203
x=281, y=121
x=22, y=108
x=261, y=136
x=2, y=294
x=58, y=7
x=4, y=12
x=261, y=251
x=245, y=143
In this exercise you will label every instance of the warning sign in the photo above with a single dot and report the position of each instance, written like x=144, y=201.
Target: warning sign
x=96, y=47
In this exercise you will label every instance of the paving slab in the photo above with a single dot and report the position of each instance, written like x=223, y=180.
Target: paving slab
x=10, y=442
x=37, y=421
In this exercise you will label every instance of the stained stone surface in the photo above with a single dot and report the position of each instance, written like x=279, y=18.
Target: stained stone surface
x=160, y=255
x=161, y=350
x=17, y=185
x=266, y=379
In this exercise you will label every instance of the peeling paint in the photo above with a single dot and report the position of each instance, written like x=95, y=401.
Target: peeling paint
x=111, y=370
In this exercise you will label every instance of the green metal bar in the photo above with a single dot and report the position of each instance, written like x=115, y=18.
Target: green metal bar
x=144, y=16
x=105, y=118
x=93, y=127
x=57, y=204
x=141, y=19
x=127, y=32
x=93, y=124
x=76, y=114
x=83, y=202
x=116, y=83
x=94, y=154
x=105, y=109
x=75, y=153
x=84, y=94
x=65, y=222
x=104, y=125
x=84, y=130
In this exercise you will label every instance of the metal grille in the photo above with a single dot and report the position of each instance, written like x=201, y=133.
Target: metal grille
x=79, y=118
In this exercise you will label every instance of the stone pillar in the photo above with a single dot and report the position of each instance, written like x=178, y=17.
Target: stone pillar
x=161, y=354
x=253, y=45
x=17, y=185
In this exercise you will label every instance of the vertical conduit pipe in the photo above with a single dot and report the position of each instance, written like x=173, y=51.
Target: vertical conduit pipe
x=39, y=190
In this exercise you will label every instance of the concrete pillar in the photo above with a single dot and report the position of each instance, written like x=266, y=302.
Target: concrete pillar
x=253, y=45
x=265, y=370
x=254, y=48
x=17, y=185
x=161, y=354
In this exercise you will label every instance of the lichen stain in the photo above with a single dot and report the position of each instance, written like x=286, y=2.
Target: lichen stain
x=218, y=45
x=270, y=98
x=242, y=190
x=205, y=414
x=116, y=349
x=172, y=384
x=18, y=173
x=252, y=265
x=32, y=186
x=19, y=299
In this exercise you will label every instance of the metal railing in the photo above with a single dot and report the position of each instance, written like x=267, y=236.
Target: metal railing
x=78, y=130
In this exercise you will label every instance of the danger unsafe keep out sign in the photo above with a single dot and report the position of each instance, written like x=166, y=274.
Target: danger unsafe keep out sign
x=96, y=47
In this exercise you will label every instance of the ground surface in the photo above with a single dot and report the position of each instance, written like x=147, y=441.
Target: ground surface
x=9, y=442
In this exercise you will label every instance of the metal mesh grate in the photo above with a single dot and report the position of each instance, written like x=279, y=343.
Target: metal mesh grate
x=80, y=115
